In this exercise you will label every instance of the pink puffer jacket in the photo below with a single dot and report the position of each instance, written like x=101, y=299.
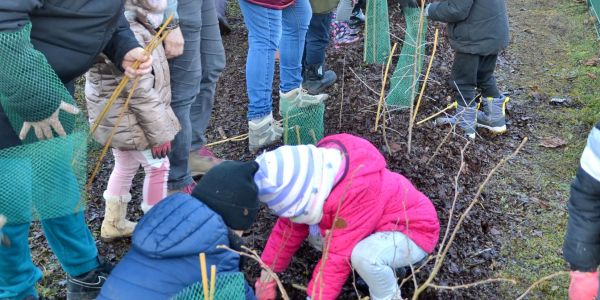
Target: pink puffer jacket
x=374, y=199
x=149, y=120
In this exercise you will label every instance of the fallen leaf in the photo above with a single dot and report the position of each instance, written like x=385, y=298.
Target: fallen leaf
x=592, y=62
x=395, y=147
x=591, y=75
x=553, y=142
x=340, y=223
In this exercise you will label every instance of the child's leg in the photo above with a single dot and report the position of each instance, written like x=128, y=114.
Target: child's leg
x=117, y=196
x=376, y=257
x=493, y=104
x=486, y=80
x=464, y=78
x=155, y=182
x=126, y=166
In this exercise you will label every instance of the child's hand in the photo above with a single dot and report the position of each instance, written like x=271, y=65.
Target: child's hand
x=584, y=285
x=265, y=287
x=134, y=54
x=161, y=151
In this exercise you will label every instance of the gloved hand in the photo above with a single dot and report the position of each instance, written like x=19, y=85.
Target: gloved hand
x=584, y=285
x=265, y=288
x=161, y=151
x=43, y=128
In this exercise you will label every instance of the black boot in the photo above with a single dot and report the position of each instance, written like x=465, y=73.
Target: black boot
x=87, y=286
x=315, y=81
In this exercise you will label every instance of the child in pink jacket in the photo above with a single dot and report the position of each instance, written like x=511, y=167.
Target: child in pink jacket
x=383, y=222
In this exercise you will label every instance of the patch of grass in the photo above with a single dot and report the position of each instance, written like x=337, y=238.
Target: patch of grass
x=567, y=40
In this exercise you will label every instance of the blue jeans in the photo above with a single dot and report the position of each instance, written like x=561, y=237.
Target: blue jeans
x=317, y=39
x=269, y=30
x=194, y=77
x=70, y=240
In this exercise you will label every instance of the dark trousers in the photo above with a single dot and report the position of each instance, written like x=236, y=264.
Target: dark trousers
x=317, y=39
x=471, y=72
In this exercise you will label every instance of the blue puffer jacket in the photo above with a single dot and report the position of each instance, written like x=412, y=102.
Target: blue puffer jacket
x=166, y=243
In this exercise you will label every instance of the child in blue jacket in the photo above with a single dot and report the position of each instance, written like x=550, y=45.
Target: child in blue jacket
x=166, y=243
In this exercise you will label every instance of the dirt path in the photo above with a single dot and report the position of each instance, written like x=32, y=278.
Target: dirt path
x=551, y=40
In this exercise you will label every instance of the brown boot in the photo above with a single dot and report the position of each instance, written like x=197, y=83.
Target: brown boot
x=115, y=225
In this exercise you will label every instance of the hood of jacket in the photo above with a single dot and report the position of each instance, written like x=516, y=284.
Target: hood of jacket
x=179, y=225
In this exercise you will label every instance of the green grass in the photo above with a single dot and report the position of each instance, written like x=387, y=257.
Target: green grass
x=535, y=251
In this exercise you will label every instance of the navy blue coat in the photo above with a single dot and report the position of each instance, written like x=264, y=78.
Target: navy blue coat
x=166, y=243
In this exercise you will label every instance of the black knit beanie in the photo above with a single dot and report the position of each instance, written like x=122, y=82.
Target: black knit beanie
x=229, y=190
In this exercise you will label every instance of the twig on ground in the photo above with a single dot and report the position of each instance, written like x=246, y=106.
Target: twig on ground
x=437, y=150
x=444, y=251
x=536, y=283
x=470, y=285
x=363, y=82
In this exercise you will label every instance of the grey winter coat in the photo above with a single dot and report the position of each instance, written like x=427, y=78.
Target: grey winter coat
x=149, y=120
x=474, y=26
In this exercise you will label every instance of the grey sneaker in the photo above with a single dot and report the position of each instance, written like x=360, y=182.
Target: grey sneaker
x=315, y=80
x=493, y=114
x=263, y=132
x=298, y=98
x=466, y=117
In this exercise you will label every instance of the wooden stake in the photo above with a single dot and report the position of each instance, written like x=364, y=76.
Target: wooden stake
x=453, y=105
x=213, y=279
x=435, y=41
x=381, y=95
x=204, y=276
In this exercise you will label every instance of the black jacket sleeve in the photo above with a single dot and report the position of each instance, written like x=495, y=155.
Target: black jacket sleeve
x=121, y=42
x=582, y=241
x=14, y=14
x=450, y=11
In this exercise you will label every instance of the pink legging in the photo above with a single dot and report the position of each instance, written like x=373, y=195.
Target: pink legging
x=126, y=165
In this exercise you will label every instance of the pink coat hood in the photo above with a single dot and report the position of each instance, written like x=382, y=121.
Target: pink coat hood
x=371, y=199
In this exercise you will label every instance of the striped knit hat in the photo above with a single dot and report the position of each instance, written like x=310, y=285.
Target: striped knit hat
x=295, y=181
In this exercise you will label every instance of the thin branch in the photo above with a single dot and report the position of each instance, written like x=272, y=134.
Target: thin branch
x=440, y=260
x=460, y=169
x=342, y=100
x=470, y=285
x=561, y=273
x=363, y=82
x=254, y=256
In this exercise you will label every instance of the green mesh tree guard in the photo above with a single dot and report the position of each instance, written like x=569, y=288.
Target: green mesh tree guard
x=40, y=179
x=302, y=125
x=228, y=286
x=595, y=11
x=406, y=78
x=377, y=32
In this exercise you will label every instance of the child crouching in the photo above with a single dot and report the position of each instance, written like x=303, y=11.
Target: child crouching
x=145, y=132
x=167, y=241
x=342, y=193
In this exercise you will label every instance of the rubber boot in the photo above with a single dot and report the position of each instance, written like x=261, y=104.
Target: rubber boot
x=315, y=80
x=465, y=118
x=263, y=132
x=493, y=114
x=298, y=98
x=115, y=225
